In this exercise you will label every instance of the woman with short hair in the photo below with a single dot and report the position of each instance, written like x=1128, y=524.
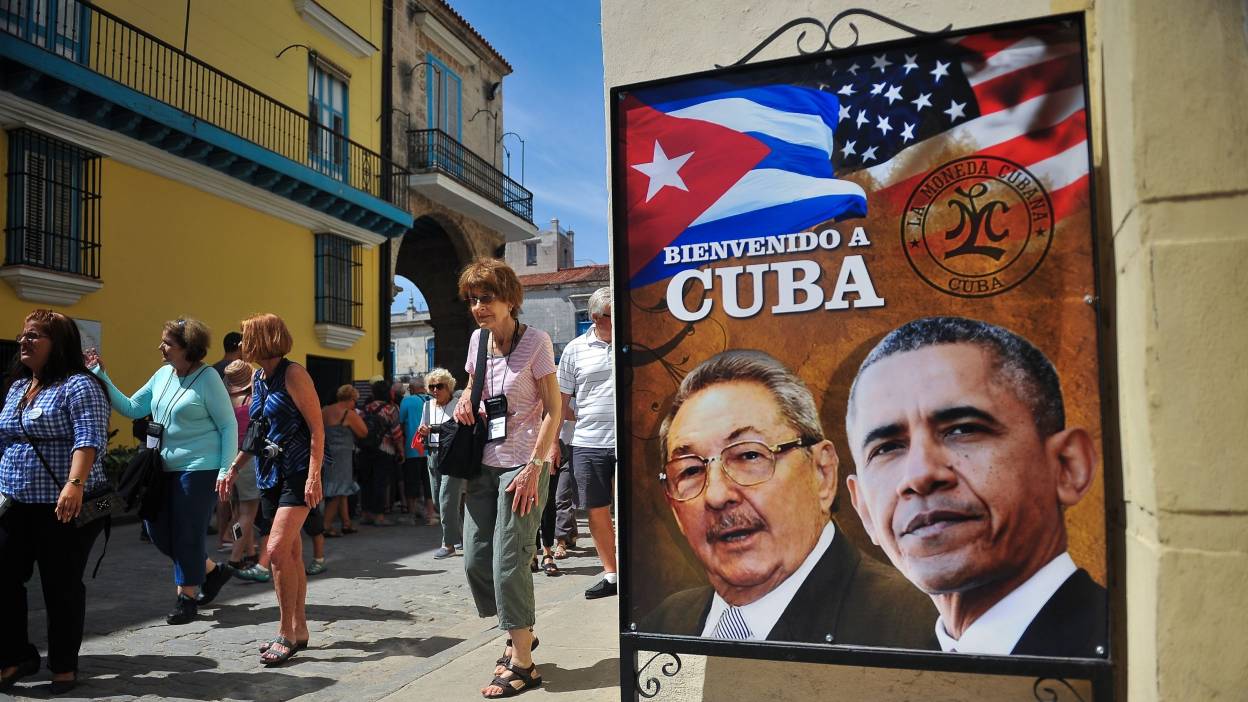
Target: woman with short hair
x=504, y=502
x=54, y=411
x=440, y=385
x=193, y=423
x=342, y=427
x=289, y=474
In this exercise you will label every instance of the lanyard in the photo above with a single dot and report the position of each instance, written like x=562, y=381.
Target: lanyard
x=515, y=341
x=178, y=396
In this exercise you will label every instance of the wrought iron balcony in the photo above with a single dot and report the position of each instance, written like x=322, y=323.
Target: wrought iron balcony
x=82, y=33
x=433, y=150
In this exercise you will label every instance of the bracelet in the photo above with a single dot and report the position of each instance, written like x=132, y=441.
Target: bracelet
x=75, y=481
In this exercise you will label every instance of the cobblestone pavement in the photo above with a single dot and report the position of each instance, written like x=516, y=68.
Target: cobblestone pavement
x=384, y=614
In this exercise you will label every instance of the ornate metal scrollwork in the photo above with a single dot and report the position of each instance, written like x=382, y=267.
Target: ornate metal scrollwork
x=1051, y=693
x=651, y=685
x=827, y=30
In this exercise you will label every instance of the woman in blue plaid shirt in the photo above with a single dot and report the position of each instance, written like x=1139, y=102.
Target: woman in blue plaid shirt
x=53, y=401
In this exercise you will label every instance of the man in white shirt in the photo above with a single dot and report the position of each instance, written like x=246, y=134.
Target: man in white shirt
x=587, y=375
x=751, y=480
x=965, y=467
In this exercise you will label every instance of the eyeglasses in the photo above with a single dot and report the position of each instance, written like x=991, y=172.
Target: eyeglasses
x=746, y=463
x=474, y=300
x=436, y=386
x=30, y=337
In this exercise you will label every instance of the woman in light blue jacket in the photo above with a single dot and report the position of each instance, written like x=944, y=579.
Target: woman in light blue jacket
x=199, y=439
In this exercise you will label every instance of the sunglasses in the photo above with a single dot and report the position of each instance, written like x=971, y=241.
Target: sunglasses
x=436, y=386
x=486, y=299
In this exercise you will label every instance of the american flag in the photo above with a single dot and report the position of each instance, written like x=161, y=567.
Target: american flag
x=1016, y=94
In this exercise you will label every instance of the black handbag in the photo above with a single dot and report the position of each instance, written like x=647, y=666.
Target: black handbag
x=99, y=503
x=459, y=455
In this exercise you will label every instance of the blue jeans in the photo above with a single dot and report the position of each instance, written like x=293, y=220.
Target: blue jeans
x=181, y=528
x=447, y=491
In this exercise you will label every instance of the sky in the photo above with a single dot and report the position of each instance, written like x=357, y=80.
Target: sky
x=554, y=100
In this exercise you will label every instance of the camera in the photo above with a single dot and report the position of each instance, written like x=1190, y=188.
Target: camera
x=271, y=450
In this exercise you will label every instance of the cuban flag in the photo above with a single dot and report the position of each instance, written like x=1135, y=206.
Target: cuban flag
x=708, y=161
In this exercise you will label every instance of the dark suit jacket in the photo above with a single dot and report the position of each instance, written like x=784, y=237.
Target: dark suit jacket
x=1072, y=623
x=855, y=599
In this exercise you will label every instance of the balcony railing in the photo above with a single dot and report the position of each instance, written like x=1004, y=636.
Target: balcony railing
x=435, y=150
x=79, y=31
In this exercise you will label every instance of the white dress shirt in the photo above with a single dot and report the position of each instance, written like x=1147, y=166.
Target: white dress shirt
x=762, y=614
x=998, y=630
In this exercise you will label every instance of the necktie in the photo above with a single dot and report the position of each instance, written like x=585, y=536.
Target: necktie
x=732, y=626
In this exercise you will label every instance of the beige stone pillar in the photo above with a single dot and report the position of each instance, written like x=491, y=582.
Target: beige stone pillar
x=1176, y=127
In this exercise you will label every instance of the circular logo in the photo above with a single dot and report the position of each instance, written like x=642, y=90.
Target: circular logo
x=977, y=226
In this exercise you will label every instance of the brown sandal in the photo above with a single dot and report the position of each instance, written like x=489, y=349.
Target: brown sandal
x=526, y=677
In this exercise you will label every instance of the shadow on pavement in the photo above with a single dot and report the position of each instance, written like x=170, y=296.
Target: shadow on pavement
x=604, y=673
x=383, y=648
x=187, y=677
x=228, y=616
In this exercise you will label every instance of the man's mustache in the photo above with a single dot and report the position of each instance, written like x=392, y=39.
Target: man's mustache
x=728, y=522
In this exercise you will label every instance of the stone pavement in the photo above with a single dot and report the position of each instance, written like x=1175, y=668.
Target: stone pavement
x=387, y=621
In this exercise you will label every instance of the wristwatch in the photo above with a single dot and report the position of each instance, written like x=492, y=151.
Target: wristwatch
x=541, y=463
x=75, y=481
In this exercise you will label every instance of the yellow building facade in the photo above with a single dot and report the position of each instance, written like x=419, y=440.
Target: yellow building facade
x=213, y=165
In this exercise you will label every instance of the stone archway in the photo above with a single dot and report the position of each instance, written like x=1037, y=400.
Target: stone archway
x=431, y=255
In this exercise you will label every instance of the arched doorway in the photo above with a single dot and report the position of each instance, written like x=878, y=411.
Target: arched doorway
x=431, y=255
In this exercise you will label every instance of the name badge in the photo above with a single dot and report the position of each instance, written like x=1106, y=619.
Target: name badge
x=497, y=428
x=435, y=438
x=35, y=413
x=153, y=442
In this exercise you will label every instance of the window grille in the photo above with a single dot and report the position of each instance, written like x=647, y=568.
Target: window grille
x=53, y=218
x=339, y=281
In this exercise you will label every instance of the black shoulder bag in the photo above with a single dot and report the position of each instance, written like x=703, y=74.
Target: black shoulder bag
x=101, y=503
x=459, y=454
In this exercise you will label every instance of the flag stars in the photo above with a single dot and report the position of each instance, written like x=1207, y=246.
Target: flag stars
x=910, y=65
x=923, y=100
x=848, y=149
x=907, y=133
x=878, y=88
x=846, y=90
x=893, y=94
x=663, y=171
x=883, y=125
x=942, y=69
x=955, y=110
x=862, y=119
x=881, y=62
x=869, y=154
x=853, y=70
x=843, y=113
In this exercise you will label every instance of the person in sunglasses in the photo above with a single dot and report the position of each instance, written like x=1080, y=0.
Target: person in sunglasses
x=447, y=490
x=750, y=480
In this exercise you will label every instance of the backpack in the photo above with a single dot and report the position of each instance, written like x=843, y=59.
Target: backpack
x=378, y=429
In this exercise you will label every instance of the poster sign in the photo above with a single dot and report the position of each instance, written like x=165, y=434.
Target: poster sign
x=860, y=381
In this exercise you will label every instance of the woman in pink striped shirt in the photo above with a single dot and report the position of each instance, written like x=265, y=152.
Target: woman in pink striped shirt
x=504, y=502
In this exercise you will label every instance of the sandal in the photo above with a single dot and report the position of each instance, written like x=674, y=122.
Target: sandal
x=299, y=645
x=271, y=658
x=548, y=566
x=331, y=534
x=505, y=660
x=521, y=680
x=350, y=530
x=561, y=551
x=533, y=565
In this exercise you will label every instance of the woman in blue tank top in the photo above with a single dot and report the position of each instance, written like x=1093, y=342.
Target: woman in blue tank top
x=288, y=472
